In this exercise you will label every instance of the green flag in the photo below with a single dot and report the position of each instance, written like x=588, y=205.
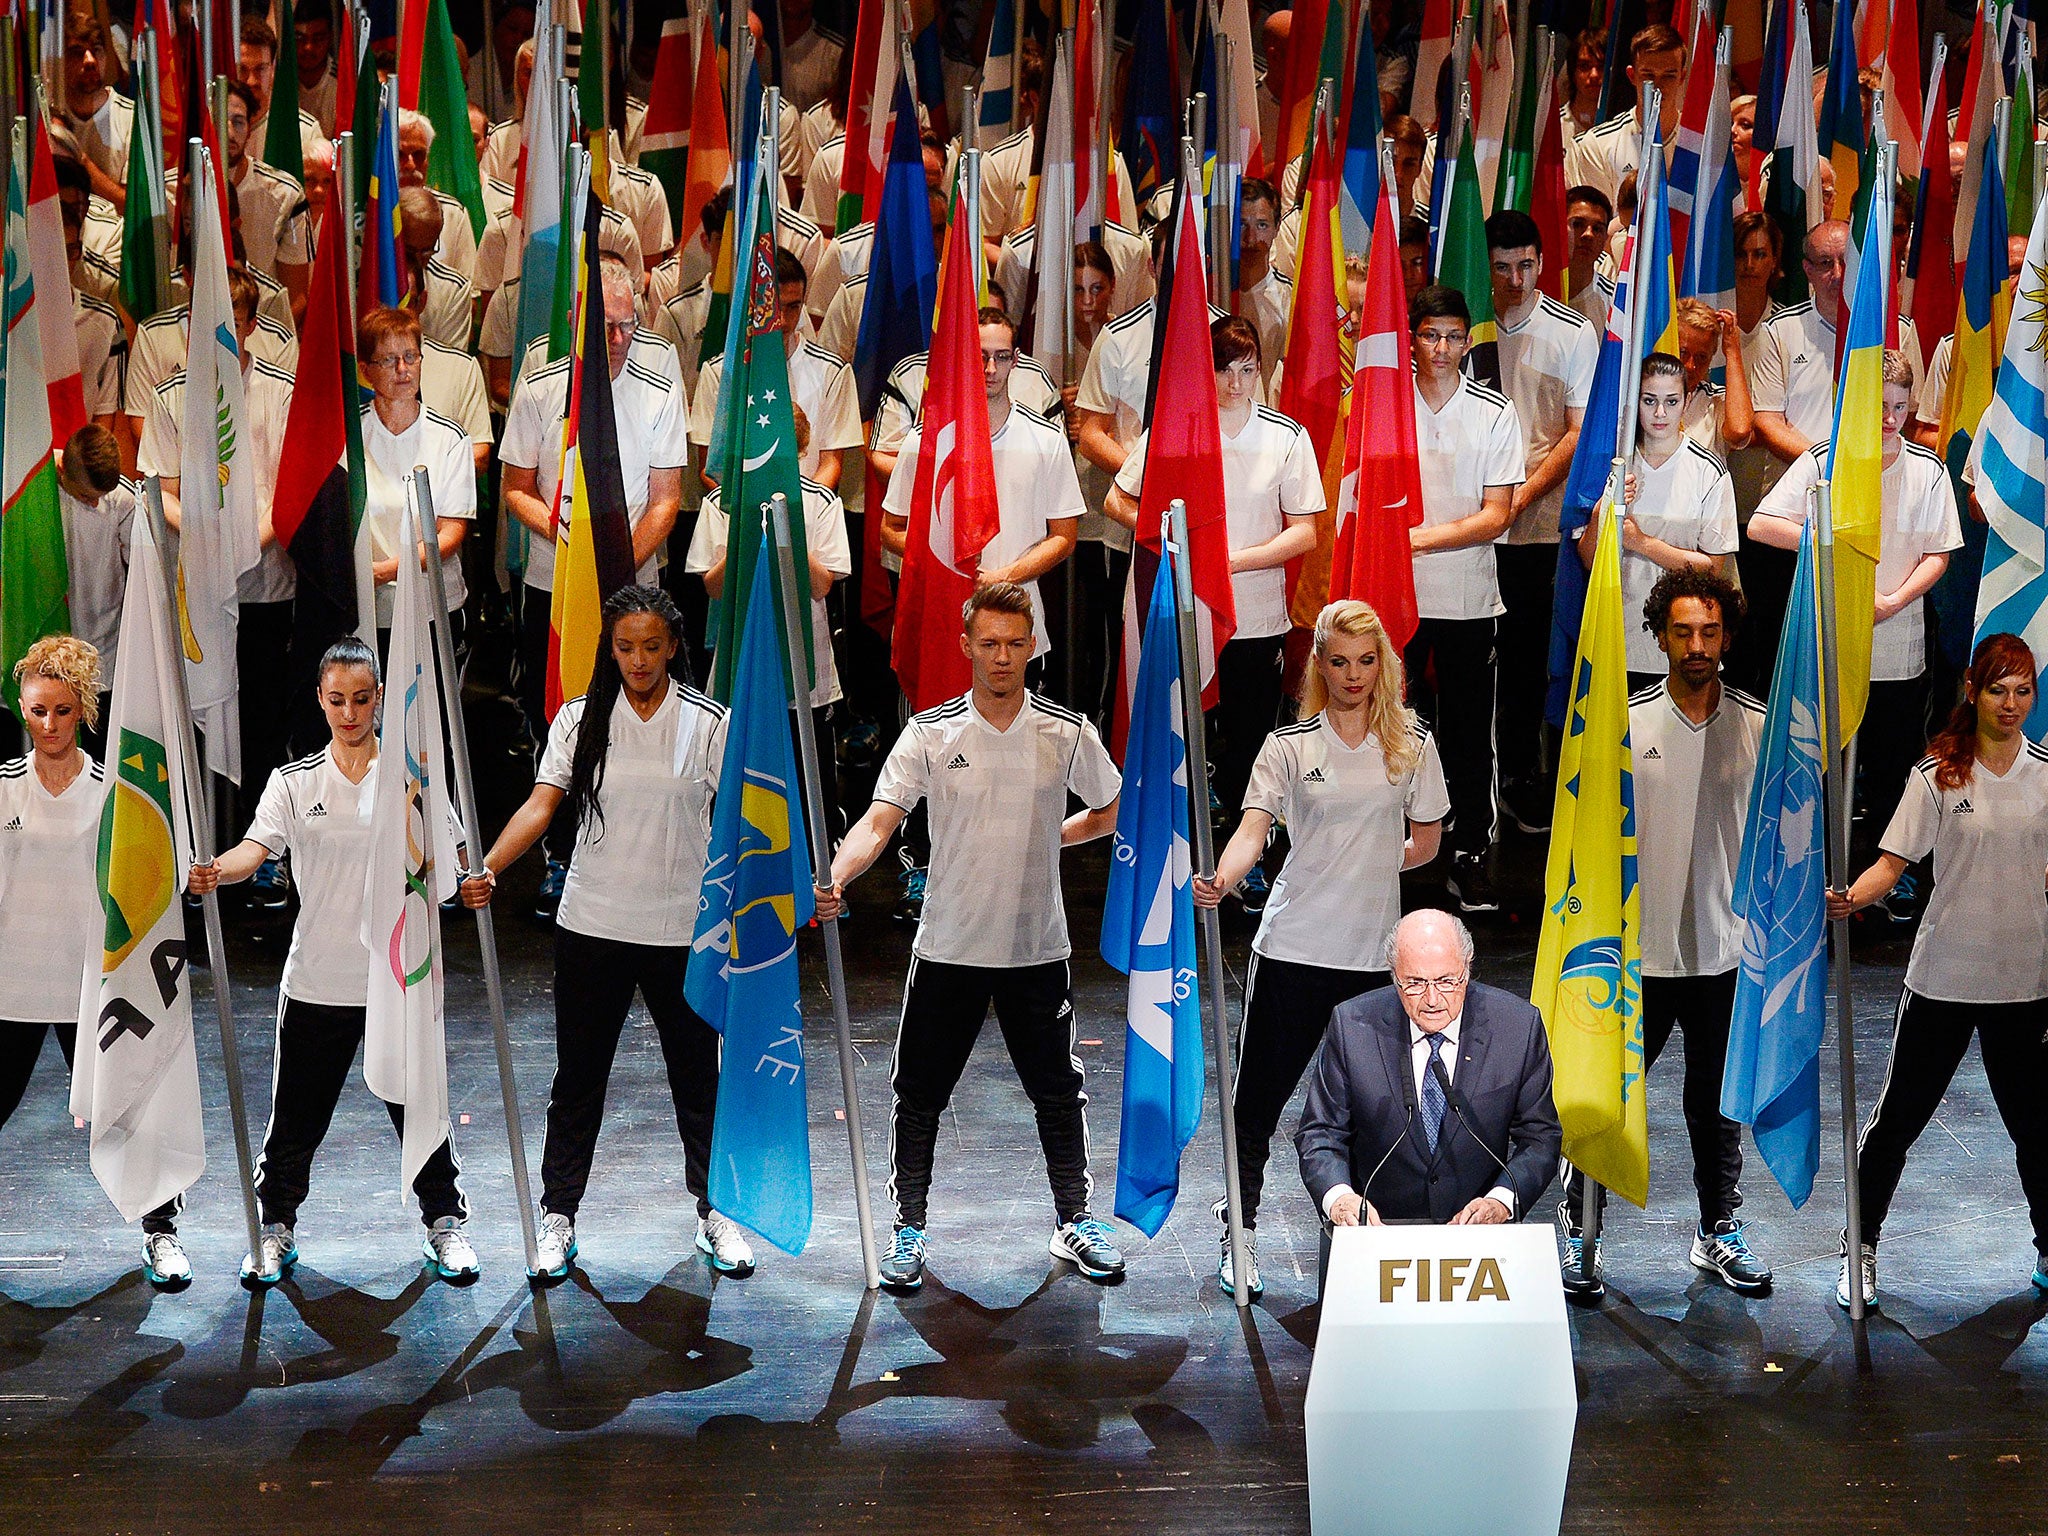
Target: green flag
x=451, y=163
x=1515, y=178
x=1462, y=262
x=753, y=440
x=2020, y=149
x=282, y=146
x=144, y=221
x=35, y=578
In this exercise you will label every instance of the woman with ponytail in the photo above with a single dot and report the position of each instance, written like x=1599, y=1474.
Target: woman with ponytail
x=317, y=810
x=633, y=765
x=1361, y=789
x=1979, y=803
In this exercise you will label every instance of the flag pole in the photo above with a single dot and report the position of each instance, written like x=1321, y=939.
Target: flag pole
x=1840, y=784
x=787, y=596
x=1174, y=544
x=464, y=788
x=216, y=940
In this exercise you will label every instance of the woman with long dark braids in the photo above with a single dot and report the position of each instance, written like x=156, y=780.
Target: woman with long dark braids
x=633, y=764
x=1979, y=803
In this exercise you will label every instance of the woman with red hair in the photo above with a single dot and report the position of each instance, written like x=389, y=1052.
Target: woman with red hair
x=1979, y=803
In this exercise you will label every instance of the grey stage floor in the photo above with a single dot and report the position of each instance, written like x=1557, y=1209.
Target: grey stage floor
x=646, y=1396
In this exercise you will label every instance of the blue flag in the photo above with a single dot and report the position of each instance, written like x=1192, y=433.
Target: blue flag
x=380, y=227
x=1772, y=1081
x=1360, y=194
x=903, y=271
x=1150, y=138
x=1148, y=930
x=742, y=976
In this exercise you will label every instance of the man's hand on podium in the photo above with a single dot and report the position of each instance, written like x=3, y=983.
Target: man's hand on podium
x=1347, y=1210
x=1483, y=1212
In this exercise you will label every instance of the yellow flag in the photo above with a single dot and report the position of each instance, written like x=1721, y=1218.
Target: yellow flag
x=1589, y=967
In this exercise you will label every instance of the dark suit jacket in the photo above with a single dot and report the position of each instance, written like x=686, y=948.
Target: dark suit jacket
x=1362, y=1125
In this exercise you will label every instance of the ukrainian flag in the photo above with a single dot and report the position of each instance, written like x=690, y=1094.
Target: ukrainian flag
x=1660, y=272
x=1981, y=318
x=1589, y=967
x=1856, y=476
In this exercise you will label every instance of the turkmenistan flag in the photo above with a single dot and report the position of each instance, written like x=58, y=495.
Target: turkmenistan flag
x=451, y=163
x=145, y=221
x=1464, y=264
x=753, y=445
x=35, y=579
x=282, y=146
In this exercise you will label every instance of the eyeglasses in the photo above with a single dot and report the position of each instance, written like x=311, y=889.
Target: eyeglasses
x=1443, y=338
x=998, y=359
x=621, y=329
x=396, y=360
x=1443, y=986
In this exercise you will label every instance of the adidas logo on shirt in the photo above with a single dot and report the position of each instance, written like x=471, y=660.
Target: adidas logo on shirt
x=1652, y=753
x=1313, y=776
x=13, y=824
x=1799, y=359
x=319, y=809
x=1962, y=808
x=959, y=760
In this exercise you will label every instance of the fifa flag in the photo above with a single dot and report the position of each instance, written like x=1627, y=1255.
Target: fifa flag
x=1589, y=967
x=412, y=871
x=1772, y=1080
x=2012, y=483
x=1148, y=928
x=136, y=1077
x=1856, y=475
x=742, y=977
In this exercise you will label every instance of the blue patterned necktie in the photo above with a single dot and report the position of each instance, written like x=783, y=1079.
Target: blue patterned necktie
x=1432, y=1092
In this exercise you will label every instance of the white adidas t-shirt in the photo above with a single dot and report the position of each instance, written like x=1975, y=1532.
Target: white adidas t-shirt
x=51, y=927
x=389, y=459
x=1688, y=501
x=1338, y=895
x=635, y=874
x=1547, y=365
x=1984, y=935
x=1472, y=445
x=1692, y=801
x=997, y=801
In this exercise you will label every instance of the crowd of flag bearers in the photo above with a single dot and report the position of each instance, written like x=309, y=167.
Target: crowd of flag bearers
x=1359, y=429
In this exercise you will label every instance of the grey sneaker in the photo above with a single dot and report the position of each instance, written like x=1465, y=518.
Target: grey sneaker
x=1869, y=1278
x=1572, y=1258
x=1089, y=1246
x=1725, y=1252
x=720, y=1240
x=449, y=1252
x=164, y=1261
x=903, y=1265
x=1254, y=1286
x=279, y=1251
x=554, y=1245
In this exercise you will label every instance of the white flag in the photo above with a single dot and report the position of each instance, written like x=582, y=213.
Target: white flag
x=1052, y=298
x=217, y=539
x=136, y=1079
x=412, y=870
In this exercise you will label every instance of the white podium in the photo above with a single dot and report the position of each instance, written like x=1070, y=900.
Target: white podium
x=1441, y=1401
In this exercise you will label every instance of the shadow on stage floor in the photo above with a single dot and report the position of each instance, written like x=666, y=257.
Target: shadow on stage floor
x=648, y=1394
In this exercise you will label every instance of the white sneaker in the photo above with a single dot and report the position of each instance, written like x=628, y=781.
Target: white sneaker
x=1869, y=1278
x=554, y=1246
x=1228, y=1280
x=448, y=1250
x=278, y=1253
x=164, y=1261
x=719, y=1238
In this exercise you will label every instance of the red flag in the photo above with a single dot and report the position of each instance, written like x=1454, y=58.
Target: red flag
x=1547, y=204
x=51, y=274
x=953, y=511
x=1903, y=112
x=1183, y=462
x=412, y=52
x=1931, y=291
x=710, y=165
x=1297, y=89
x=1312, y=382
x=346, y=52
x=170, y=95
x=1702, y=76
x=1380, y=496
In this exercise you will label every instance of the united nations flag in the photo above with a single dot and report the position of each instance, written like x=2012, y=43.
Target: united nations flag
x=742, y=976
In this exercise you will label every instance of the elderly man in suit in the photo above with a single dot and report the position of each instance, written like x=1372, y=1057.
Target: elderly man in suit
x=1430, y=1099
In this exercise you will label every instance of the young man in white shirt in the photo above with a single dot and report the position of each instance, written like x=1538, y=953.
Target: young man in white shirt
x=996, y=766
x=1696, y=744
x=1588, y=214
x=1263, y=295
x=1548, y=356
x=648, y=406
x=277, y=234
x=1609, y=154
x=1919, y=528
x=1471, y=453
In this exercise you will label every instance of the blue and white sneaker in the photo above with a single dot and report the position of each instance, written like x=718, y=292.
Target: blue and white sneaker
x=1902, y=902
x=1225, y=1278
x=1725, y=1251
x=1252, y=893
x=277, y=1253
x=902, y=1266
x=552, y=883
x=1572, y=1258
x=720, y=1240
x=909, y=907
x=2041, y=1271
x=270, y=886
x=448, y=1252
x=164, y=1263
x=554, y=1246
x=1090, y=1246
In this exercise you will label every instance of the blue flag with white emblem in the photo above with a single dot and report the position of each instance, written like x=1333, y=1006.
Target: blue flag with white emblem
x=1148, y=929
x=1772, y=1080
x=742, y=976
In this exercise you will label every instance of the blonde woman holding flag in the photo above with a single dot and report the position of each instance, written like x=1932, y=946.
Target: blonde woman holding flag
x=319, y=810
x=1360, y=787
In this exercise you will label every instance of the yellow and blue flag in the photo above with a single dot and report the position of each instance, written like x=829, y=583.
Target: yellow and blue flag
x=742, y=977
x=1658, y=302
x=1856, y=475
x=1148, y=928
x=1589, y=966
x=380, y=279
x=1772, y=1079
